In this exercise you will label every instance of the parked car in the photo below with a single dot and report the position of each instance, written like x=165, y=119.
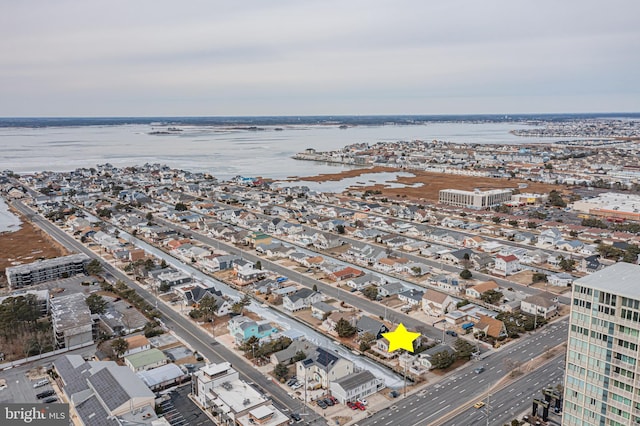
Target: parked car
x=296, y=385
x=363, y=402
x=394, y=394
x=360, y=406
x=329, y=402
x=296, y=417
x=352, y=405
x=45, y=394
x=292, y=381
x=321, y=404
x=50, y=400
x=452, y=333
x=40, y=383
x=334, y=399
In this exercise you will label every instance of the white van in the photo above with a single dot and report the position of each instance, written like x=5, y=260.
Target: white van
x=40, y=383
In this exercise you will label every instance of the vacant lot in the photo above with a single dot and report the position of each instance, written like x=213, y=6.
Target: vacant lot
x=432, y=183
x=26, y=245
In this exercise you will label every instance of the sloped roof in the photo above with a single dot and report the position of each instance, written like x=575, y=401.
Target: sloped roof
x=116, y=385
x=355, y=380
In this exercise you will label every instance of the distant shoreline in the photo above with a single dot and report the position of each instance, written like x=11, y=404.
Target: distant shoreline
x=342, y=120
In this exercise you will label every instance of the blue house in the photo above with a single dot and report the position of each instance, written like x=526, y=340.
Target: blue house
x=243, y=328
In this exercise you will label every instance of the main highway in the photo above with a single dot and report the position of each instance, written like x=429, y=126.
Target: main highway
x=197, y=338
x=450, y=400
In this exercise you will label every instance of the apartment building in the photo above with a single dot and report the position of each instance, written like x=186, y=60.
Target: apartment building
x=46, y=270
x=72, y=321
x=603, y=353
x=474, y=199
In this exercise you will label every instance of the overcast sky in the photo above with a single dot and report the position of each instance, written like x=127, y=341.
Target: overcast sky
x=324, y=57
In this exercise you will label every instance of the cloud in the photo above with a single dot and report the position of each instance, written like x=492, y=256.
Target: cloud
x=289, y=57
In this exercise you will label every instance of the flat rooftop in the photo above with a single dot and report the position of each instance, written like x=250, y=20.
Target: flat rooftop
x=620, y=278
x=47, y=263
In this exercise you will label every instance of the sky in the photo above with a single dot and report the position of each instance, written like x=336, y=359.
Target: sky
x=298, y=57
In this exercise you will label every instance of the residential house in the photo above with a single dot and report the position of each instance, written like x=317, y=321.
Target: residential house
x=243, y=328
x=145, y=360
x=356, y=386
x=550, y=237
x=390, y=289
x=366, y=280
x=372, y=326
x=301, y=299
x=490, y=327
x=542, y=304
x=329, y=324
x=135, y=344
x=411, y=297
x=571, y=245
x=436, y=303
x=322, y=367
x=326, y=242
x=423, y=359
x=447, y=283
x=458, y=257
x=561, y=279
x=590, y=264
x=287, y=355
x=477, y=290
x=320, y=309
x=344, y=273
x=506, y=265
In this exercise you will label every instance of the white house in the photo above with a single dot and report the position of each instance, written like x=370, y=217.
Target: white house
x=436, y=303
x=356, y=386
x=560, y=280
x=477, y=290
x=506, y=264
x=322, y=367
x=543, y=304
x=301, y=299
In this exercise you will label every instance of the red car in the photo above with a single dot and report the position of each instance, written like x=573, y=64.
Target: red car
x=334, y=399
x=352, y=405
x=360, y=405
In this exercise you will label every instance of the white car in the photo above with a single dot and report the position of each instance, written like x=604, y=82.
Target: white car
x=363, y=402
x=297, y=385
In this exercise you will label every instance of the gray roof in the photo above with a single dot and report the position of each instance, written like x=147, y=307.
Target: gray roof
x=353, y=381
x=116, y=385
x=324, y=307
x=303, y=293
x=93, y=413
x=368, y=324
x=620, y=278
x=159, y=375
x=297, y=345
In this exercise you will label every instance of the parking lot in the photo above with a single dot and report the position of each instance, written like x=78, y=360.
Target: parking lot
x=20, y=383
x=179, y=410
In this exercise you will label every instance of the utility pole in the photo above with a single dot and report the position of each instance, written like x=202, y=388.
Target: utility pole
x=405, y=377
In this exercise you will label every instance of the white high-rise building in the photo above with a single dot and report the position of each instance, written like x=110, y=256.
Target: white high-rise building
x=602, y=384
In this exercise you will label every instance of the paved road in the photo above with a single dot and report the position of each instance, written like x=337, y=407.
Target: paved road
x=190, y=332
x=517, y=398
x=464, y=387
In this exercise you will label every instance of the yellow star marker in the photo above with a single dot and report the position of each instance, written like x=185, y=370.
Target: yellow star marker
x=400, y=338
